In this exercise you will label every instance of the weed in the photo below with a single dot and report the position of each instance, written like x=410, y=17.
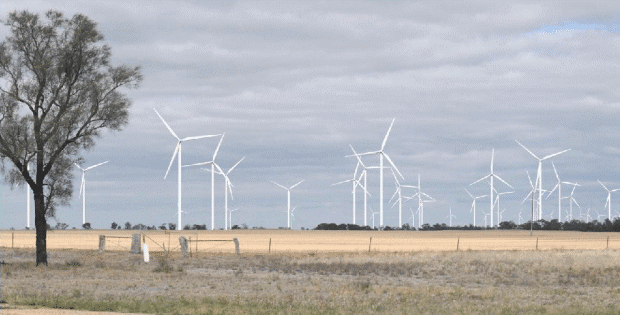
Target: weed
x=73, y=263
x=163, y=266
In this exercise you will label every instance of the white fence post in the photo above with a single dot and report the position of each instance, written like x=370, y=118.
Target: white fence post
x=146, y=252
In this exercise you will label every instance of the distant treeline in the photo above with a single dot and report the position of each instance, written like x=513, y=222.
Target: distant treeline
x=553, y=225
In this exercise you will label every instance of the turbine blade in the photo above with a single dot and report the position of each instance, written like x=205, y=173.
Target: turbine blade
x=602, y=185
x=387, y=134
x=554, y=154
x=279, y=185
x=556, y=172
x=469, y=193
x=395, y=192
x=176, y=150
x=481, y=179
x=165, y=123
x=96, y=165
x=526, y=149
x=359, y=160
x=197, y=164
x=526, y=197
x=218, y=147
x=297, y=184
x=78, y=166
x=232, y=168
x=392, y=163
x=362, y=154
x=552, y=190
x=199, y=137
x=342, y=182
x=492, y=157
x=503, y=181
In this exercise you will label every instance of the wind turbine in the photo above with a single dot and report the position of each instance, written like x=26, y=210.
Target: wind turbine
x=227, y=187
x=473, y=204
x=177, y=151
x=83, y=189
x=288, y=207
x=539, y=176
x=421, y=202
x=559, y=187
x=355, y=182
x=497, y=202
x=412, y=218
x=399, y=201
x=381, y=155
x=451, y=216
x=213, y=167
x=230, y=217
x=532, y=192
x=373, y=218
x=520, y=218
x=293, y=216
x=491, y=176
x=608, y=203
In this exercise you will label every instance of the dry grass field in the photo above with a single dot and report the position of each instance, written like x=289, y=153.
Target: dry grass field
x=323, y=272
x=285, y=241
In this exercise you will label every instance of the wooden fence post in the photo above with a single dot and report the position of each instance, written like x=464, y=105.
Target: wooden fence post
x=135, y=244
x=457, y=243
x=270, y=245
x=236, y=245
x=370, y=243
x=607, y=242
x=537, y=243
x=12, y=239
x=183, y=243
x=101, y=243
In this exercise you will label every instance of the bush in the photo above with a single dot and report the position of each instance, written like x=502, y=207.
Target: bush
x=114, y=225
x=86, y=226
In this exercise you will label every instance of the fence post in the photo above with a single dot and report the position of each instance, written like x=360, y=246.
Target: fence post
x=183, y=242
x=370, y=243
x=12, y=239
x=236, y=245
x=135, y=244
x=270, y=245
x=607, y=242
x=537, y=243
x=457, y=243
x=146, y=252
x=101, y=243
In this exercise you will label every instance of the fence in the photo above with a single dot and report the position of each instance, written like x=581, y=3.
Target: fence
x=275, y=241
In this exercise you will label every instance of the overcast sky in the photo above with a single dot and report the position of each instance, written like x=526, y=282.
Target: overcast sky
x=292, y=84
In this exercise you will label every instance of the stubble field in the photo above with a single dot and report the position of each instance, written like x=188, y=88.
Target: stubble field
x=324, y=272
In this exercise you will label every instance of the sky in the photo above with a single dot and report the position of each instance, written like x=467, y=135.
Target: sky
x=293, y=84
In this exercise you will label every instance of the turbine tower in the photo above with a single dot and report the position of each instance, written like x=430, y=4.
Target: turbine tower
x=421, y=202
x=490, y=177
x=83, y=189
x=177, y=151
x=451, y=216
x=363, y=175
x=499, y=217
x=288, y=203
x=399, y=201
x=538, y=185
x=608, y=203
x=381, y=155
x=572, y=200
x=227, y=189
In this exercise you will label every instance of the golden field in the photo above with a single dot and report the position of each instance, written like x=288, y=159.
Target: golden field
x=284, y=241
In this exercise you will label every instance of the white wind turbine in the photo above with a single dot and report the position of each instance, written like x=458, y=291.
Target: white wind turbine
x=497, y=202
x=451, y=216
x=382, y=154
x=421, y=201
x=288, y=207
x=373, y=217
x=230, y=217
x=559, y=188
x=214, y=165
x=83, y=188
x=532, y=193
x=608, y=203
x=412, y=217
x=473, y=204
x=293, y=216
x=491, y=176
x=227, y=186
x=363, y=175
x=355, y=183
x=177, y=151
x=538, y=185
x=399, y=201
x=520, y=218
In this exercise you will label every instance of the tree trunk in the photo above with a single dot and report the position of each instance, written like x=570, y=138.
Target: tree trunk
x=41, y=226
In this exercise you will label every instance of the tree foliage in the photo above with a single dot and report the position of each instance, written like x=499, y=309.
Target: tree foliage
x=58, y=92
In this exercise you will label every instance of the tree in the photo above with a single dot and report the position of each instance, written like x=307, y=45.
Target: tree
x=58, y=92
x=114, y=225
x=61, y=226
x=86, y=226
x=127, y=226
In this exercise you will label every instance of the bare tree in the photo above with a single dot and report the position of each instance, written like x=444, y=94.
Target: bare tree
x=57, y=93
